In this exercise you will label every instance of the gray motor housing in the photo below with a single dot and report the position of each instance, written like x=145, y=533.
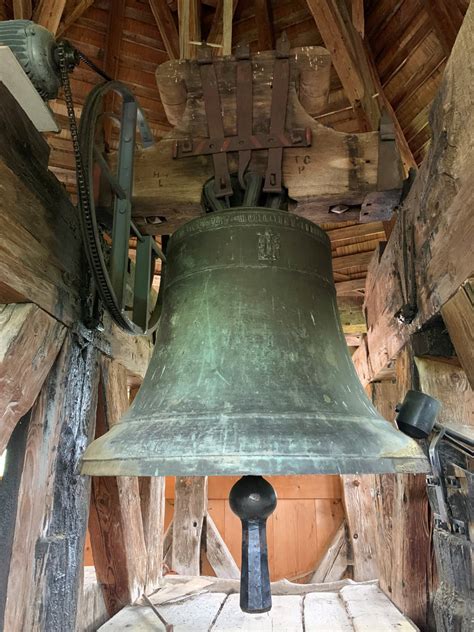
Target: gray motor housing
x=34, y=47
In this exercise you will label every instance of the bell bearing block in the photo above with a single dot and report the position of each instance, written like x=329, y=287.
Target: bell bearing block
x=251, y=373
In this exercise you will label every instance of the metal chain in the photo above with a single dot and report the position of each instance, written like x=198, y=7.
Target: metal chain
x=86, y=219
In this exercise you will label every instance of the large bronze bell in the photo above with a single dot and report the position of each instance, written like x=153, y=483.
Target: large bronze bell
x=251, y=373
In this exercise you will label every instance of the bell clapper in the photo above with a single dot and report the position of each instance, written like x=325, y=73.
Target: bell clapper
x=253, y=499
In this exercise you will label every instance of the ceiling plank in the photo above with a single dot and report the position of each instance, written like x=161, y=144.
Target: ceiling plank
x=189, y=14
x=48, y=14
x=73, y=15
x=347, y=52
x=168, y=31
x=446, y=18
x=264, y=20
x=22, y=9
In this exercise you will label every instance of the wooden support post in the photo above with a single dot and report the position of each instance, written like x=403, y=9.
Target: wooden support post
x=190, y=508
x=152, y=496
x=9, y=490
x=30, y=342
x=46, y=561
x=115, y=525
x=402, y=516
x=189, y=28
x=359, y=492
x=221, y=27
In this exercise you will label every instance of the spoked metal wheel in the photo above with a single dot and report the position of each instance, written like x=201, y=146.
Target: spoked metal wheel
x=125, y=290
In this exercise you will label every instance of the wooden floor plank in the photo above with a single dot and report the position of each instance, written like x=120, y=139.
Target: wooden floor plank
x=196, y=614
x=285, y=616
x=325, y=611
x=369, y=609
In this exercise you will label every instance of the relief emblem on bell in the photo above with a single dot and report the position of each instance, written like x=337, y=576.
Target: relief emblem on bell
x=268, y=246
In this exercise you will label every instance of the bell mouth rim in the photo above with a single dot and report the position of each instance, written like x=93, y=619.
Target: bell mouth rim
x=244, y=465
x=312, y=229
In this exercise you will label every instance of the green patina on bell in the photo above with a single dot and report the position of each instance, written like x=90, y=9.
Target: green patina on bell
x=251, y=373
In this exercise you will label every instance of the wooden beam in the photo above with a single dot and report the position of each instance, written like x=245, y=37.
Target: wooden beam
x=333, y=565
x=435, y=224
x=458, y=315
x=357, y=15
x=167, y=27
x=31, y=340
x=361, y=520
x=47, y=556
x=446, y=18
x=264, y=20
x=72, y=14
x=152, y=497
x=9, y=492
x=401, y=507
x=22, y=9
x=190, y=508
x=221, y=28
x=346, y=48
x=317, y=177
x=48, y=13
x=115, y=524
x=189, y=15
x=218, y=554
x=53, y=273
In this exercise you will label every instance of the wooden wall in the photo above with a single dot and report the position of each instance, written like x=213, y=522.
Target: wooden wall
x=308, y=513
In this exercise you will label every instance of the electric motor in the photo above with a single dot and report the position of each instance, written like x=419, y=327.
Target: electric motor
x=34, y=47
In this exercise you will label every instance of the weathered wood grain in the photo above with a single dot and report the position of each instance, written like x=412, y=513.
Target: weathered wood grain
x=116, y=527
x=218, y=555
x=359, y=494
x=189, y=511
x=333, y=564
x=402, y=519
x=9, y=489
x=429, y=253
x=46, y=561
x=29, y=343
x=447, y=383
x=41, y=257
x=152, y=497
x=458, y=314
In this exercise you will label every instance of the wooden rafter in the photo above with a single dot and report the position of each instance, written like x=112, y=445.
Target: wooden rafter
x=263, y=18
x=22, y=9
x=357, y=14
x=73, y=14
x=167, y=27
x=48, y=13
x=446, y=18
x=347, y=52
x=221, y=27
x=356, y=68
x=189, y=16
